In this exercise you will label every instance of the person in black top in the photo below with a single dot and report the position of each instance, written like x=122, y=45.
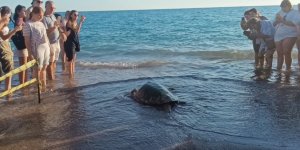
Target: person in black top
x=72, y=44
x=19, y=41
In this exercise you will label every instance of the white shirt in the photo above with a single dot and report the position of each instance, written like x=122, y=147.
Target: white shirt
x=284, y=31
x=5, y=31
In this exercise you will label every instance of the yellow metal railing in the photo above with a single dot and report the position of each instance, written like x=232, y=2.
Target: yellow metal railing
x=16, y=71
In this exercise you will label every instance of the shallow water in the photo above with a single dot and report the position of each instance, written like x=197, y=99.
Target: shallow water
x=239, y=113
x=229, y=105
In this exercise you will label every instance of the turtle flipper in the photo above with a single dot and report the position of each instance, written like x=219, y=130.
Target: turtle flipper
x=174, y=103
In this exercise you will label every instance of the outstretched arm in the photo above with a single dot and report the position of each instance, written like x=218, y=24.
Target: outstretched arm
x=82, y=19
x=10, y=34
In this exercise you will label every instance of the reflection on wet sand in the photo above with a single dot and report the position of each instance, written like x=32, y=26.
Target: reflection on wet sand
x=280, y=77
x=74, y=139
x=29, y=125
x=261, y=74
x=277, y=104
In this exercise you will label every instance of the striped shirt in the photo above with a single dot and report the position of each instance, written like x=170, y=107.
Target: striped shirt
x=37, y=33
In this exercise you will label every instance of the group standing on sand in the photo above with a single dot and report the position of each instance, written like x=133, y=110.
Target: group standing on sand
x=40, y=35
x=280, y=35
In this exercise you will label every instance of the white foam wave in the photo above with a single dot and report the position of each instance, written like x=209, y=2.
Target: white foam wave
x=122, y=65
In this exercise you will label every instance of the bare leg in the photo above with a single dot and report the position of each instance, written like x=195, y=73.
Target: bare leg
x=74, y=62
x=22, y=61
x=269, y=58
x=65, y=62
x=298, y=46
x=279, y=50
x=69, y=66
x=8, y=83
x=288, y=45
x=26, y=71
x=23, y=76
x=50, y=71
x=54, y=70
x=261, y=60
x=43, y=79
x=63, y=56
x=256, y=59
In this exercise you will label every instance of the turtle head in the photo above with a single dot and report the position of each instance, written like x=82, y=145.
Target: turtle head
x=133, y=93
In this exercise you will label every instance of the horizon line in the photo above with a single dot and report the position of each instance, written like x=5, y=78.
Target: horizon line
x=176, y=8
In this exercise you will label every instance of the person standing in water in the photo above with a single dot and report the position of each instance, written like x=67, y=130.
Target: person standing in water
x=253, y=13
x=19, y=41
x=6, y=54
x=72, y=44
x=286, y=34
x=298, y=40
x=37, y=43
x=52, y=26
x=265, y=31
x=62, y=52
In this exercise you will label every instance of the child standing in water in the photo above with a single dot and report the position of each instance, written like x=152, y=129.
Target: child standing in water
x=37, y=43
x=72, y=44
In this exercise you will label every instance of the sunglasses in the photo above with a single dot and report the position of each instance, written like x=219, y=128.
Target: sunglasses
x=41, y=2
x=76, y=15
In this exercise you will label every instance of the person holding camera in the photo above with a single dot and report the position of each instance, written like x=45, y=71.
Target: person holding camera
x=6, y=54
x=72, y=44
x=252, y=13
x=19, y=41
x=52, y=26
x=263, y=31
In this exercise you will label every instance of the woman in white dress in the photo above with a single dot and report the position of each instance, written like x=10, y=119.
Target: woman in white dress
x=286, y=34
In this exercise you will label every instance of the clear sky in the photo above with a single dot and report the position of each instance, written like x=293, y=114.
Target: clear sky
x=95, y=5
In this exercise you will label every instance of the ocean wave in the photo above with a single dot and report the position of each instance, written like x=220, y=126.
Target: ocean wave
x=122, y=65
x=220, y=54
x=204, y=54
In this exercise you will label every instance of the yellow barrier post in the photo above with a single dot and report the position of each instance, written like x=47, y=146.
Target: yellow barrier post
x=16, y=71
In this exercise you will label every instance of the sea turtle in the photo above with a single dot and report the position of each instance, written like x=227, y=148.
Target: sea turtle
x=155, y=94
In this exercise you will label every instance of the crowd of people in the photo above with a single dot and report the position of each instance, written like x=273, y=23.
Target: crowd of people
x=41, y=34
x=268, y=36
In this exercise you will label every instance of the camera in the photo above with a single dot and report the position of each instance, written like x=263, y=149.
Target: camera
x=247, y=33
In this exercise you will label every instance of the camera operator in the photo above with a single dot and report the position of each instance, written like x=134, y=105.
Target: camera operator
x=263, y=32
x=252, y=13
